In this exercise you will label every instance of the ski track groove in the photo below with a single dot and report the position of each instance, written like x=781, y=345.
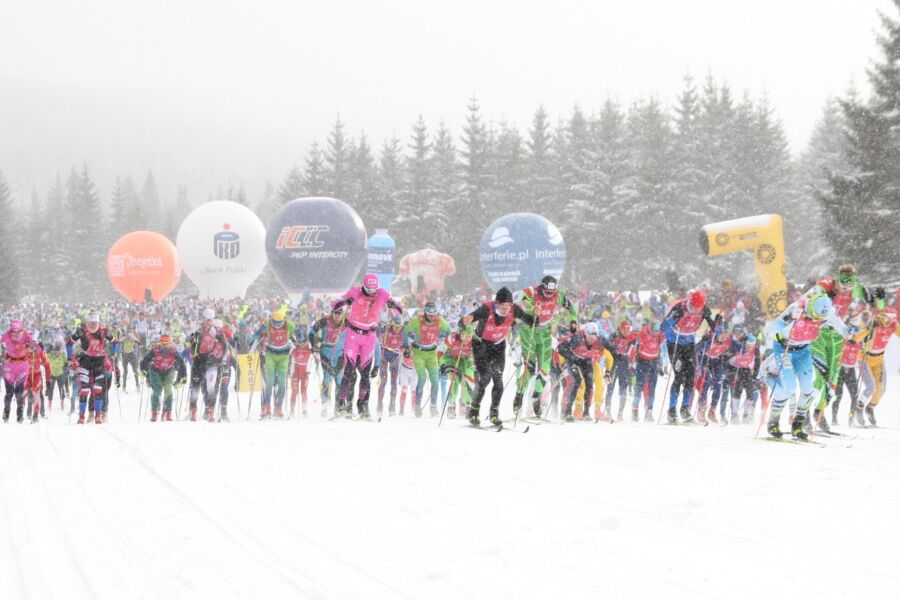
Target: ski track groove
x=330, y=476
x=136, y=455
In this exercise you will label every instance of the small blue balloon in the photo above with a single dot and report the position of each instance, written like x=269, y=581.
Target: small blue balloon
x=519, y=249
x=316, y=245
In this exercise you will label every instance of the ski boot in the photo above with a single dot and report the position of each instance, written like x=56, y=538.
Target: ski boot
x=209, y=415
x=193, y=412
x=517, y=403
x=433, y=409
x=834, y=413
x=20, y=414
x=685, y=413
x=536, y=405
x=223, y=415
x=648, y=415
x=701, y=413
x=870, y=412
x=473, y=419
x=797, y=427
x=279, y=413
x=167, y=415
x=711, y=415
x=451, y=411
x=98, y=417
x=265, y=412
x=81, y=418
x=402, y=406
x=35, y=416
x=6, y=413
x=496, y=421
x=621, y=415
x=672, y=417
x=634, y=414
x=379, y=408
x=821, y=421
x=391, y=409
x=773, y=429
x=418, y=413
x=154, y=415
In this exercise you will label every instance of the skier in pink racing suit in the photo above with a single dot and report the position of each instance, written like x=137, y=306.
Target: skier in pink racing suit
x=366, y=302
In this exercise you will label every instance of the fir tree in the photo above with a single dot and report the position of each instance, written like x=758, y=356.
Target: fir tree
x=863, y=202
x=9, y=267
x=337, y=161
x=541, y=187
x=315, y=178
x=87, y=274
x=447, y=189
x=292, y=187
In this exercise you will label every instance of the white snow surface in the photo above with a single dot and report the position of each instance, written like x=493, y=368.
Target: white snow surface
x=404, y=509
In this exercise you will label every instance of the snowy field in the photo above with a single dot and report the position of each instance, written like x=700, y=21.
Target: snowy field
x=402, y=509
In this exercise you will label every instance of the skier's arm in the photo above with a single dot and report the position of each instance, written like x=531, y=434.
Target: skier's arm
x=479, y=314
x=519, y=313
x=145, y=362
x=567, y=346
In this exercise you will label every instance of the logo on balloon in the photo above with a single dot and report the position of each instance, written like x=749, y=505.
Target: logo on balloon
x=519, y=249
x=117, y=266
x=226, y=244
x=301, y=236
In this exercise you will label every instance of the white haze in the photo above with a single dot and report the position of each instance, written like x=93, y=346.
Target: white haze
x=205, y=92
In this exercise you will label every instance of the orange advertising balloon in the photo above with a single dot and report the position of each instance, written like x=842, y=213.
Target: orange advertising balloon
x=142, y=264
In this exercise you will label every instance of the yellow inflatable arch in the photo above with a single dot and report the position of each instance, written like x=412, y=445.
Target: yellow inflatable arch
x=764, y=234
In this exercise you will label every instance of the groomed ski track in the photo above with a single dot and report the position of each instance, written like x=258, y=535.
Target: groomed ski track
x=402, y=509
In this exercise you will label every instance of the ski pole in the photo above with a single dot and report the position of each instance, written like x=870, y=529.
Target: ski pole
x=450, y=387
x=119, y=404
x=671, y=374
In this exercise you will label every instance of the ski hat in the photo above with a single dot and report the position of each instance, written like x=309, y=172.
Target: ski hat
x=209, y=313
x=15, y=325
x=818, y=307
x=278, y=315
x=370, y=284
x=878, y=298
x=218, y=323
x=396, y=320
x=696, y=300
x=165, y=339
x=624, y=326
x=503, y=295
x=590, y=329
x=430, y=308
x=93, y=317
x=549, y=283
x=737, y=328
x=655, y=325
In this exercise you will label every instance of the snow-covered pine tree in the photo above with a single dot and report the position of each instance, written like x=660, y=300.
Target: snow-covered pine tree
x=9, y=268
x=863, y=202
x=582, y=214
x=447, y=189
x=315, y=177
x=86, y=242
x=337, y=161
x=541, y=187
x=361, y=177
x=650, y=141
x=418, y=215
x=388, y=195
x=292, y=187
x=150, y=206
x=510, y=168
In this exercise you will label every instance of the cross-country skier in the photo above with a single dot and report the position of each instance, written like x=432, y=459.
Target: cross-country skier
x=274, y=337
x=794, y=331
x=581, y=350
x=458, y=368
x=541, y=301
x=18, y=343
x=162, y=367
x=883, y=326
x=423, y=334
x=300, y=356
x=324, y=335
x=391, y=350
x=681, y=326
x=207, y=347
x=92, y=338
x=365, y=302
x=651, y=361
x=492, y=321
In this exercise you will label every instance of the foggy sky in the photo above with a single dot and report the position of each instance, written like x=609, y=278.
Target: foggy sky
x=206, y=91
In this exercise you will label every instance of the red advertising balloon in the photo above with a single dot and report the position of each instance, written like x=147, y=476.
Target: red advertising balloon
x=143, y=264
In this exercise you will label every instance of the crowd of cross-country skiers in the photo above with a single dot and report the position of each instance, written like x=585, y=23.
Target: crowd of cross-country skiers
x=717, y=356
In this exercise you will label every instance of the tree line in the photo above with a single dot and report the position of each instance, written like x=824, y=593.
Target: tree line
x=628, y=186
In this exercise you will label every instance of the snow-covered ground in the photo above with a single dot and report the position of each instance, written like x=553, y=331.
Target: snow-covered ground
x=402, y=509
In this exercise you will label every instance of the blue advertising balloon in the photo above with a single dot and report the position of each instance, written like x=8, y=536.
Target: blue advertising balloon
x=518, y=249
x=316, y=245
x=381, y=257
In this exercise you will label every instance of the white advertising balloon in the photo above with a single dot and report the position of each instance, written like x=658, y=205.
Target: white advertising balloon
x=222, y=248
